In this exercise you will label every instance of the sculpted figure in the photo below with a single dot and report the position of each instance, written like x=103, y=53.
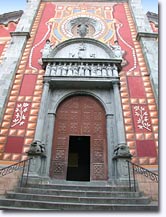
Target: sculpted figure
x=82, y=30
x=59, y=69
x=37, y=148
x=48, y=70
x=64, y=69
x=104, y=71
x=87, y=70
x=70, y=70
x=81, y=69
x=121, y=150
x=117, y=49
x=93, y=70
x=47, y=49
x=53, y=70
x=109, y=70
x=115, y=70
x=75, y=69
x=98, y=70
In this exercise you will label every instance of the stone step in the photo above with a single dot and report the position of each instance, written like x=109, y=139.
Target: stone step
x=64, y=206
x=76, y=197
x=79, y=192
x=82, y=199
x=82, y=187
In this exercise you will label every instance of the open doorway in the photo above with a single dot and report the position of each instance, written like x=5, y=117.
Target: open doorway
x=79, y=158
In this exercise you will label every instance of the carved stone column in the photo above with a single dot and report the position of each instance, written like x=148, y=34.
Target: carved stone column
x=49, y=139
x=118, y=114
x=121, y=150
x=37, y=150
x=110, y=142
x=42, y=113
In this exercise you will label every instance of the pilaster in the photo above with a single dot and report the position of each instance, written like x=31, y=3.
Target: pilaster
x=42, y=113
x=15, y=50
x=148, y=42
x=118, y=115
x=110, y=142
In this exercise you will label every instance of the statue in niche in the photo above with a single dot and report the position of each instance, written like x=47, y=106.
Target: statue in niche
x=75, y=70
x=54, y=69
x=70, y=70
x=117, y=49
x=98, y=70
x=87, y=70
x=48, y=69
x=64, y=69
x=59, y=69
x=109, y=70
x=103, y=70
x=115, y=70
x=81, y=69
x=82, y=30
x=47, y=49
x=93, y=70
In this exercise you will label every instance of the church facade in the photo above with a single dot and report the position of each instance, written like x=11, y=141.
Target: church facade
x=79, y=90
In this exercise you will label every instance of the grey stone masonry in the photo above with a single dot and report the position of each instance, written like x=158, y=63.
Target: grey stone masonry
x=148, y=42
x=14, y=52
x=28, y=17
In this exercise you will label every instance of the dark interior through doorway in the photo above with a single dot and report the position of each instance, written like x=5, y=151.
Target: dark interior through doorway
x=79, y=158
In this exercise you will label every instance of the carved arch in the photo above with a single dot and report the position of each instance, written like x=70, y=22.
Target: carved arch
x=89, y=41
x=79, y=93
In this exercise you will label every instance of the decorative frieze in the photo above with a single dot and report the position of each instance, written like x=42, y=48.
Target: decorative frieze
x=81, y=69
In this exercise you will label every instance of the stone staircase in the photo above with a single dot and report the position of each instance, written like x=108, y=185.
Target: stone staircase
x=79, y=196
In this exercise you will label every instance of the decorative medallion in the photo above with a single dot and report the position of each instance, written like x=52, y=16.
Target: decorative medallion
x=93, y=26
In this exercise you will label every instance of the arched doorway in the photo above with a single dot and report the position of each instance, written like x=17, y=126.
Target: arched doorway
x=79, y=150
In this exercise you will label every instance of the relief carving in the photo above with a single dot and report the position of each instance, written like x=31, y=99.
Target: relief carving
x=37, y=148
x=143, y=120
x=82, y=70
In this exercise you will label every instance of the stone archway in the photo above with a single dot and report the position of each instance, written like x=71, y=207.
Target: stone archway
x=80, y=117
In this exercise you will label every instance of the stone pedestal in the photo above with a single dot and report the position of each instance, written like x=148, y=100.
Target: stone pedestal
x=35, y=165
x=121, y=155
x=38, y=155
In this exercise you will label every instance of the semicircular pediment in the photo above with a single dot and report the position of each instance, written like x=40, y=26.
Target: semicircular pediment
x=82, y=48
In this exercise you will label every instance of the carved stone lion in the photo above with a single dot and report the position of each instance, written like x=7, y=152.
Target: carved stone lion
x=37, y=148
x=122, y=150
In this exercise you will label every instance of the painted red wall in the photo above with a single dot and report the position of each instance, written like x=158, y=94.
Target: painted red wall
x=136, y=90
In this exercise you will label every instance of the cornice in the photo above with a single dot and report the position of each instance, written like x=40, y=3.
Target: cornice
x=146, y=35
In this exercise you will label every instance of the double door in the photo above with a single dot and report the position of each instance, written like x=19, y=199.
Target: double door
x=79, y=150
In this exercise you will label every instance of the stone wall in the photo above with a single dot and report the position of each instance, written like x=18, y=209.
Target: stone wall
x=9, y=182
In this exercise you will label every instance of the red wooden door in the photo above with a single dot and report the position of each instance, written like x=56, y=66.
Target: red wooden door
x=80, y=116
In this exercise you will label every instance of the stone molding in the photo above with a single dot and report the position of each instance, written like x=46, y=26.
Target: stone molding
x=146, y=35
x=26, y=34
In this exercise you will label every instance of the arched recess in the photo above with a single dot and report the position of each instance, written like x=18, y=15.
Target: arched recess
x=79, y=117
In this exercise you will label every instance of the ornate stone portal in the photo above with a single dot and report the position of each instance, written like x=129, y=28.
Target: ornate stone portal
x=81, y=67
